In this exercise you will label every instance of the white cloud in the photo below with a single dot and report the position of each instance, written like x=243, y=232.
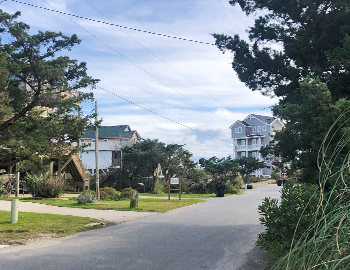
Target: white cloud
x=206, y=96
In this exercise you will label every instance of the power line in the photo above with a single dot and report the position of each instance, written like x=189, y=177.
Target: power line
x=160, y=59
x=131, y=102
x=162, y=116
x=112, y=24
x=126, y=58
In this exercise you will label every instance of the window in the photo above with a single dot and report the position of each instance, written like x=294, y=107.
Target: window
x=254, y=129
x=254, y=154
x=238, y=130
x=264, y=128
x=259, y=128
x=243, y=154
x=254, y=141
x=242, y=142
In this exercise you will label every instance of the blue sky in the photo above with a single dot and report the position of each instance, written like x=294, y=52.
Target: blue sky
x=189, y=83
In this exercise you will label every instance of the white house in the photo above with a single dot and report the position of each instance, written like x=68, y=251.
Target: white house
x=110, y=141
x=250, y=134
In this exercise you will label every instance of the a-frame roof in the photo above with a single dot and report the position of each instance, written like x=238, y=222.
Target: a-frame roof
x=122, y=131
x=262, y=118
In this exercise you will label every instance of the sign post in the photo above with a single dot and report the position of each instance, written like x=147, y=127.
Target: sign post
x=174, y=181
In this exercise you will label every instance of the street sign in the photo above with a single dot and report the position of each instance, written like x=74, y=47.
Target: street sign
x=174, y=181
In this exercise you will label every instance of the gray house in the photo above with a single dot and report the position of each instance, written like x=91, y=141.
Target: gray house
x=252, y=133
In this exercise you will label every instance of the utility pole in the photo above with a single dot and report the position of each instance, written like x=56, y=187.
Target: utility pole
x=97, y=175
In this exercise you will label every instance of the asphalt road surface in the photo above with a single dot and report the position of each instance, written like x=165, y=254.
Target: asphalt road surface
x=218, y=234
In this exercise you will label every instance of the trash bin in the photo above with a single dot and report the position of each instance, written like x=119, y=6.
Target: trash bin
x=220, y=190
x=279, y=182
x=284, y=182
x=249, y=187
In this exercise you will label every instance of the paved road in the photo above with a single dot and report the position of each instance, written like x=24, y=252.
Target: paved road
x=218, y=234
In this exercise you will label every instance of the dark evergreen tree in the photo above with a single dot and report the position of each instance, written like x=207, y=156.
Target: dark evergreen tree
x=298, y=50
x=35, y=79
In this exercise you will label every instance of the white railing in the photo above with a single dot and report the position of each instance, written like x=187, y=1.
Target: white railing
x=249, y=147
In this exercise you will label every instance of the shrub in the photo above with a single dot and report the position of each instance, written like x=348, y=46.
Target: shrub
x=160, y=187
x=109, y=194
x=126, y=193
x=230, y=189
x=40, y=186
x=87, y=196
x=238, y=182
x=3, y=190
x=288, y=221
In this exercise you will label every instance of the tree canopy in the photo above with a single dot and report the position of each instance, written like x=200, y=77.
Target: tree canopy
x=40, y=103
x=147, y=160
x=248, y=165
x=221, y=170
x=298, y=50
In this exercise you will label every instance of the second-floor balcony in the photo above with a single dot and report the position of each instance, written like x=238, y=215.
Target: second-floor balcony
x=249, y=147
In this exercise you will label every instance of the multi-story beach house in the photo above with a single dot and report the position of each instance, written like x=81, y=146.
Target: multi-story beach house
x=250, y=134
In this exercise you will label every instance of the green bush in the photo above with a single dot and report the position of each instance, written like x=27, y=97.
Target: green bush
x=109, y=194
x=160, y=187
x=44, y=187
x=238, y=182
x=230, y=189
x=126, y=193
x=3, y=191
x=288, y=221
x=87, y=196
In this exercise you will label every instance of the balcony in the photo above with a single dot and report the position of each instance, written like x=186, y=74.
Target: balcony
x=249, y=147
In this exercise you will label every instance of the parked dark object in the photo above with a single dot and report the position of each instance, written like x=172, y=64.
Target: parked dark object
x=220, y=190
x=249, y=186
x=279, y=182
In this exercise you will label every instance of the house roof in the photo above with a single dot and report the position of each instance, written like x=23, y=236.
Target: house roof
x=123, y=131
x=245, y=123
x=240, y=122
x=263, y=118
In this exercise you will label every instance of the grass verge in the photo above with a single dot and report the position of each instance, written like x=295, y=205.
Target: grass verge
x=36, y=225
x=149, y=204
x=187, y=195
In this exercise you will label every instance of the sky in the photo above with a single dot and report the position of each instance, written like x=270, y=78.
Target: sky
x=169, y=89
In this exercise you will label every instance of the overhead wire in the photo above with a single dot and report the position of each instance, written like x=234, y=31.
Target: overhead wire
x=126, y=58
x=112, y=24
x=164, y=117
x=162, y=61
x=142, y=107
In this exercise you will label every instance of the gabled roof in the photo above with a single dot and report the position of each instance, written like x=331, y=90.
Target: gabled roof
x=245, y=123
x=263, y=118
x=240, y=122
x=123, y=131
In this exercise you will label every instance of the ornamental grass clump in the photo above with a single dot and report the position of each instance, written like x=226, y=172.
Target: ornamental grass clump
x=45, y=187
x=325, y=242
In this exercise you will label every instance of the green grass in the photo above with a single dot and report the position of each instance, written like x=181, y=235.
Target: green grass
x=152, y=205
x=184, y=195
x=36, y=225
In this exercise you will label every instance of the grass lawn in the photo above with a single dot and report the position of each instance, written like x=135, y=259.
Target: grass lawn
x=151, y=205
x=187, y=195
x=36, y=225
x=183, y=195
